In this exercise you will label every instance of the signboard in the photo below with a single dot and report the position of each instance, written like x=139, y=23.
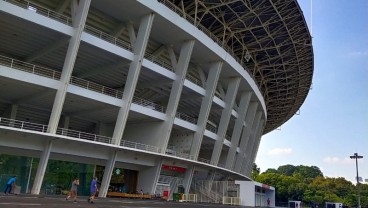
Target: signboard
x=174, y=168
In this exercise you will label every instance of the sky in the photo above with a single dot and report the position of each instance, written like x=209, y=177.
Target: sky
x=332, y=123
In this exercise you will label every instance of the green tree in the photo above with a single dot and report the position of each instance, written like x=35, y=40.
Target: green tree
x=255, y=171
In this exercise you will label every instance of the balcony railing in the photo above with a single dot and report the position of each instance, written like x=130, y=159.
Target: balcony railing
x=83, y=135
x=97, y=138
x=109, y=38
x=30, y=68
x=23, y=125
x=185, y=117
x=96, y=87
x=42, y=11
x=148, y=104
x=140, y=146
x=179, y=154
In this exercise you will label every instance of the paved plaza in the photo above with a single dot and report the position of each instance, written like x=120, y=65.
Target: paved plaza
x=29, y=201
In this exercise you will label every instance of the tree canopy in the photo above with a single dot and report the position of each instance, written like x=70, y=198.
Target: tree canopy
x=307, y=184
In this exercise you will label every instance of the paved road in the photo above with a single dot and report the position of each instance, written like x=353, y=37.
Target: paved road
x=28, y=201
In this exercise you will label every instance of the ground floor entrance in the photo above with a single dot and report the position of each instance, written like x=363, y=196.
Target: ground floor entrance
x=60, y=174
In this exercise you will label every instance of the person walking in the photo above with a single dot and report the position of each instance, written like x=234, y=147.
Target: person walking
x=93, y=190
x=10, y=184
x=73, y=190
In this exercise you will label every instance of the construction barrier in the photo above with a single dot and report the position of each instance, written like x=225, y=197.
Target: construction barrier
x=189, y=198
x=231, y=200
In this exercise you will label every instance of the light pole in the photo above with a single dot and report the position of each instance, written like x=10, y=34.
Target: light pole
x=356, y=157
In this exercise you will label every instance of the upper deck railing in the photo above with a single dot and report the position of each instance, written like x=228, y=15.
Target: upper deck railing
x=93, y=137
x=42, y=11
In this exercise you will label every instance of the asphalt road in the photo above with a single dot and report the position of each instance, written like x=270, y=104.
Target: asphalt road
x=29, y=201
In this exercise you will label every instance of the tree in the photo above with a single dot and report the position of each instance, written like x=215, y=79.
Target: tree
x=255, y=171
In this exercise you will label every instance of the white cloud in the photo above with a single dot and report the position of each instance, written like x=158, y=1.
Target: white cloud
x=332, y=160
x=358, y=53
x=337, y=160
x=281, y=151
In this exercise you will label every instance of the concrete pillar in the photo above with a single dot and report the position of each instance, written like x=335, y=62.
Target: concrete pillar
x=250, y=143
x=205, y=109
x=176, y=89
x=204, y=112
x=42, y=165
x=225, y=118
x=252, y=158
x=79, y=20
x=133, y=75
x=243, y=107
x=249, y=119
x=109, y=167
x=148, y=177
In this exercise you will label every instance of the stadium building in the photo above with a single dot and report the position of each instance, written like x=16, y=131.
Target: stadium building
x=148, y=95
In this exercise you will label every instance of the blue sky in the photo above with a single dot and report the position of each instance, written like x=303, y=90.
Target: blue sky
x=333, y=121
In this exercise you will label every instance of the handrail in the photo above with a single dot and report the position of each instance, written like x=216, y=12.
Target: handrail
x=136, y=145
x=83, y=135
x=23, y=125
x=42, y=11
x=96, y=87
x=185, y=117
x=49, y=73
x=159, y=61
x=211, y=128
x=97, y=138
x=179, y=154
x=148, y=104
x=109, y=38
x=31, y=68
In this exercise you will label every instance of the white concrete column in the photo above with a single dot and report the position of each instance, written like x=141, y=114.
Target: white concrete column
x=205, y=109
x=109, y=167
x=148, y=177
x=243, y=107
x=254, y=150
x=79, y=20
x=133, y=74
x=211, y=83
x=249, y=120
x=42, y=165
x=188, y=177
x=225, y=118
x=251, y=144
x=251, y=140
x=176, y=89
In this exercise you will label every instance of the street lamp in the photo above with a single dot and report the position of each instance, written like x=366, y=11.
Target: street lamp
x=356, y=157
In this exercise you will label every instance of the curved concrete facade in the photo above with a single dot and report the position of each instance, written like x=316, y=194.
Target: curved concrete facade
x=128, y=84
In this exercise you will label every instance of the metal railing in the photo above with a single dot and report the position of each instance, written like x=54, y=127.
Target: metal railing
x=109, y=38
x=42, y=11
x=97, y=138
x=23, y=125
x=185, y=117
x=136, y=145
x=96, y=87
x=211, y=128
x=148, y=104
x=193, y=79
x=159, y=61
x=205, y=161
x=83, y=135
x=179, y=154
x=30, y=68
